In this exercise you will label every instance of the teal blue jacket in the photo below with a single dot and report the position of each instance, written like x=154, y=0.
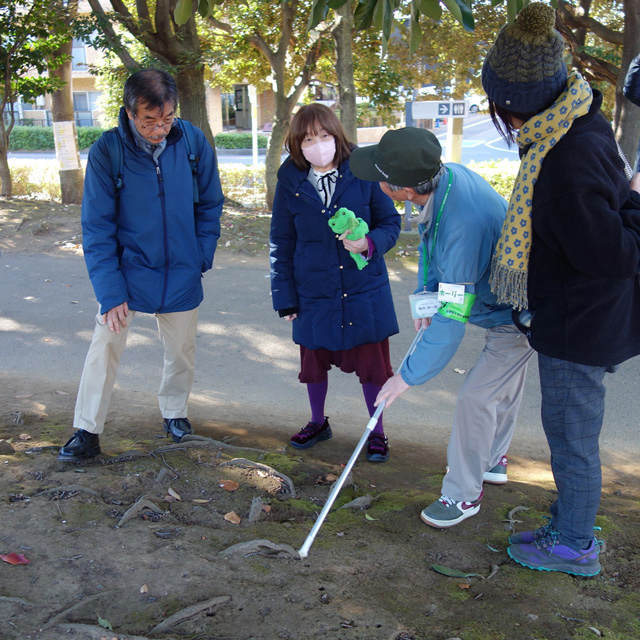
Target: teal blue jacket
x=469, y=228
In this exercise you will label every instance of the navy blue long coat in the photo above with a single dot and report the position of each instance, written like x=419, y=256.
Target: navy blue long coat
x=339, y=307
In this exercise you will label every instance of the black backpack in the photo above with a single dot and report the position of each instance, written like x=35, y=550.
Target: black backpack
x=116, y=155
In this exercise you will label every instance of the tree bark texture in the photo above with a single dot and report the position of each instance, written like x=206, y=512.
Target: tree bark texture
x=71, y=180
x=343, y=34
x=5, y=173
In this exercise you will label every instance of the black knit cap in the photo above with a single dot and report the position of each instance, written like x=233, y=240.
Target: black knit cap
x=405, y=157
x=524, y=71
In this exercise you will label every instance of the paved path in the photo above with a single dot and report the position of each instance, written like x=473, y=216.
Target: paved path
x=246, y=370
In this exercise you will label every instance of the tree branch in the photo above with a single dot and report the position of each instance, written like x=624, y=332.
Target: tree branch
x=112, y=37
x=164, y=29
x=573, y=18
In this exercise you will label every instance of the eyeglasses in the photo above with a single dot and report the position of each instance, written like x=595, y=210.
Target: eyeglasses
x=167, y=124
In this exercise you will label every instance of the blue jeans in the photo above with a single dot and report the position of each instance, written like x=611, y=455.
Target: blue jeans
x=572, y=414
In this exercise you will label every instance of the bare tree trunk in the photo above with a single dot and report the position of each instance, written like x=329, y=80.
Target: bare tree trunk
x=193, y=106
x=5, y=173
x=71, y=174
x=342, y=34
x=190, y=79
x=627, y=115
x=281, y=122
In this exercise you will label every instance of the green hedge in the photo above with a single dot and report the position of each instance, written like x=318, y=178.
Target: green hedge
x=239, y=141
x=41, y=138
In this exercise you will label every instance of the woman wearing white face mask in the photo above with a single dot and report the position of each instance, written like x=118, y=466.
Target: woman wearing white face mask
x=341, y=314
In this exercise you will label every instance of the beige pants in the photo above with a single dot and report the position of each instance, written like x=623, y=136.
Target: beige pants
x=486, y=412
x=178, y=335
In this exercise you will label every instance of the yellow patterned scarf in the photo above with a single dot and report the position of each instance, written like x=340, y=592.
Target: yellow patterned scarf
x=510, y=264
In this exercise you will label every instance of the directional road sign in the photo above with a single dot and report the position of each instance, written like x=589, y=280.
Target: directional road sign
x=426, y=109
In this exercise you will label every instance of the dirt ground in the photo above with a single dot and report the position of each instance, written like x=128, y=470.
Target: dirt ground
x=138, y=543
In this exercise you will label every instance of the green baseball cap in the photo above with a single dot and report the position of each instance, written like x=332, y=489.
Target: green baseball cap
x=405, y=157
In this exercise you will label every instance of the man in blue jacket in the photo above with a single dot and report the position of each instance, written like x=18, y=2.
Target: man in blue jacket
x=460, y=220
x=146, y=246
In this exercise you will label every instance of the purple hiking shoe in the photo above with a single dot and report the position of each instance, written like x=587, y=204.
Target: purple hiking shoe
x=312, y=433
x=377, y=448
x=545, y=554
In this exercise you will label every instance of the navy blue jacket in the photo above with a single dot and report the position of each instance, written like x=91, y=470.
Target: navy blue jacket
x=149, y=245
x=339, y=307
x=583, y=285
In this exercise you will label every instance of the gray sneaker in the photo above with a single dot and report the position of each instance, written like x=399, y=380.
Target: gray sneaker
x=446, y=512
x=497, y=475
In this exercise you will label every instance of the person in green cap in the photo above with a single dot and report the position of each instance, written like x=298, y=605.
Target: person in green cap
x=459, y=222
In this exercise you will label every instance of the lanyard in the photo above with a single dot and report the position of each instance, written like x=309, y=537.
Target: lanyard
x=435, y=230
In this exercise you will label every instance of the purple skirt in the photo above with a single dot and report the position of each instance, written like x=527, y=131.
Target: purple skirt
x=370, y=362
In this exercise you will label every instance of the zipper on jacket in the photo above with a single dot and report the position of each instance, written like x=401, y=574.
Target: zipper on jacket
x=164, y=236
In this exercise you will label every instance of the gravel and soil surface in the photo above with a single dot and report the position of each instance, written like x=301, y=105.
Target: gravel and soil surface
x=138, y=543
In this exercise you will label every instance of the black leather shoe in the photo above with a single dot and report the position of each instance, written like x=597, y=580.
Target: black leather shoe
x=81, y=445
x=177, y=428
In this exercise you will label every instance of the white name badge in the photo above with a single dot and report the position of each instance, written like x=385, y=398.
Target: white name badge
x=424, y=305
x=450, y=292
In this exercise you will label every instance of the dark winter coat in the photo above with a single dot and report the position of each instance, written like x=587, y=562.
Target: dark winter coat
x=631, y=87
x=583, y=284
x=149, y=245
x=339, y=307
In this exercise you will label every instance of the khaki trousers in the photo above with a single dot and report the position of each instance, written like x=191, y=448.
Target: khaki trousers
x=178, y=336
x=486, y=412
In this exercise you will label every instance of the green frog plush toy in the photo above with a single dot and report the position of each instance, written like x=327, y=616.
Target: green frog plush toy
x=344, y=222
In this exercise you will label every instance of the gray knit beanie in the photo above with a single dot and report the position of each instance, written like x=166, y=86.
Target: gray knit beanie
x=524, y=71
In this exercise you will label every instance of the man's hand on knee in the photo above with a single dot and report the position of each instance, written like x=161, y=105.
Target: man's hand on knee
x=117, y=317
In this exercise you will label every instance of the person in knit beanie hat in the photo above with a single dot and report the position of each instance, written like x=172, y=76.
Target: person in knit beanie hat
x=567, y=262
x=524, y=72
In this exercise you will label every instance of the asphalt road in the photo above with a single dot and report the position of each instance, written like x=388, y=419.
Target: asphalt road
x=246, y=369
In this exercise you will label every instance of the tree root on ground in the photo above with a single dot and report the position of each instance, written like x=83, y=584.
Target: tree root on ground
x=191, y=440
x=261, y=548
x=187, y=613
x=286, y=491
x=60, y=491
x=64, y=614
x=141, y=504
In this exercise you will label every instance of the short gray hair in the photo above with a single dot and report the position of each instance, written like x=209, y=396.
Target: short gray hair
x=425, y=187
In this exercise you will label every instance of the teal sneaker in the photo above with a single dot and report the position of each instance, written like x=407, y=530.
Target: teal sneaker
x=497, y=475
x=445, y=512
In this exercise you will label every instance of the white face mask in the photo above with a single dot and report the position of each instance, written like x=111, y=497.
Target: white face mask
x=320, y=154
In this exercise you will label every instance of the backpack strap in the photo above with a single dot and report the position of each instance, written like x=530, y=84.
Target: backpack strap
x=116, y=155
x=188, y=135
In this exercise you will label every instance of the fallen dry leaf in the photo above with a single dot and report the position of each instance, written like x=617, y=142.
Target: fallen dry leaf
x=201, y=501
x=456, y=370
x=266, y=508
x=463, y=586
x=22, y=396
x=61, y=393
x=144, y=588
x=173, y=494
x=233, y=517
x=14, y=558
x=229, y=485
x=24, y=436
